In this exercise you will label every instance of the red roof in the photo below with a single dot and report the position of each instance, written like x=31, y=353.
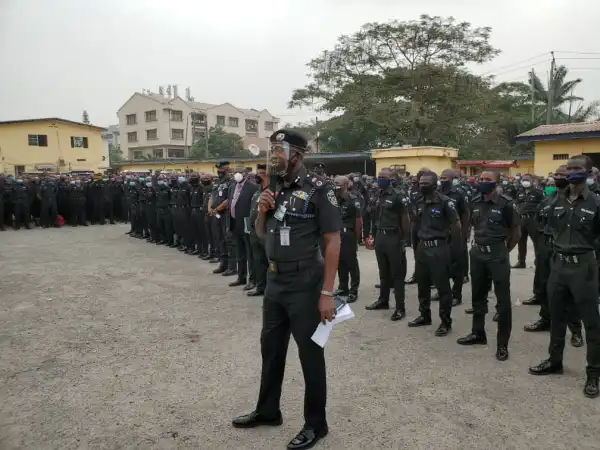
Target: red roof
x=499, y=164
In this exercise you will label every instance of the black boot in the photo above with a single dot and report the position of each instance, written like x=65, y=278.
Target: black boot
x=378, y=304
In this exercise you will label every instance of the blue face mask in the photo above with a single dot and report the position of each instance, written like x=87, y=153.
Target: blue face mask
x=181, y=179
x=132, y=183
x=383, y=183
x=20, y=181
x=356, y=179
x=149, y=184
x=142, y=179
x=485, y=187
x=577, y=177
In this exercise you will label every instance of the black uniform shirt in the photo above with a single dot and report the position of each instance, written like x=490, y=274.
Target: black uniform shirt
x=183, y=196
x=493, y=219
x=207, y=190
x=174, y=194
x=164, y=196
x=460, y=198
x=434, y=217
x=529, y=201
x=197, y=194
x=311, y=209
x=350, y=209
x=390, y=208
x=576, y=225
x=510, y=190
x=220, y=192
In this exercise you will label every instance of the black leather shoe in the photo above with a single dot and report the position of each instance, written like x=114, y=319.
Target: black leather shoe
x=172, y=245
x=181, y=248
x=496, y=317
x=340, y=292
x=129, y=232
x=519, y=265
x=469, y=311
x=398, y=314
x=420, y=322
x=256, y=293
x=590, y=389
x=546, y=367
x=456, y=302
x=411, y=280
x=576, y=340
x=377, y=286
x=230, y=273
x=219, y=270
x=533, y=301
x=502, y=353
x=443, y=330
x=351, y=298
x=307, y=438
x=249, y=287
x=379, y=304
x=540, y=325
x=254, y=419
x=214, y=260
x=237, y=282
x=473, y=339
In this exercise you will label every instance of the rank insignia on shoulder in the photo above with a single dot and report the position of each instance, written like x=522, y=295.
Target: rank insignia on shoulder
x=451, y=204
x=319, y=183
x=357, y=205
x=331, y=198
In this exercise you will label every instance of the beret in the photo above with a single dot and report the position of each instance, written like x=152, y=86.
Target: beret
x=221, y=164
x=295, y=138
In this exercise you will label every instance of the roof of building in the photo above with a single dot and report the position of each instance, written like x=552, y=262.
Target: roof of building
x=52, y=119
x=492, y=164
x=561, y=131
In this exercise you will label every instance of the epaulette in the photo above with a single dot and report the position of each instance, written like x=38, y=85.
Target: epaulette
x=317, y=181
x=508, y=198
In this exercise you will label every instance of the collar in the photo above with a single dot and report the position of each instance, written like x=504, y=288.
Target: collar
x=495, y=198
x=435, y=198
x=585, y=193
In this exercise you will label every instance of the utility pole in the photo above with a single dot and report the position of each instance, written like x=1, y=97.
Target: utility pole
x=318, y=134
x=531, y=77
x=550, y=90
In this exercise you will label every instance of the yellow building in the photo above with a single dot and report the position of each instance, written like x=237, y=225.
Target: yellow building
x=205, y=166
x=554, y=144
x=412, y=159
x=54, y=145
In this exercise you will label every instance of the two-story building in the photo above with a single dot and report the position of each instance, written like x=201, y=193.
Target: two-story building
x=153, y=126
x=52, y=144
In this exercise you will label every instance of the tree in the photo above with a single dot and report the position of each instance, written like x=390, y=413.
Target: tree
x=221, y=144
x=115, y=155
x=85, y=117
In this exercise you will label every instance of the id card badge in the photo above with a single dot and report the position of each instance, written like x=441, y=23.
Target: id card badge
x=284, y=236
x=280, y=213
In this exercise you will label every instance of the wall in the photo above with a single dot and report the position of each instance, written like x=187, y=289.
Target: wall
x=415, y=158
x=203, y=167
x=544, y=151
x=16, y=151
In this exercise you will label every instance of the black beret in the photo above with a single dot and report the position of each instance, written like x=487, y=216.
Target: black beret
x=221, y=164
x=295, y=138
x=261, y=166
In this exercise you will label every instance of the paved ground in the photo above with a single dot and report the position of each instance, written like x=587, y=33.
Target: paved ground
x=110, y=343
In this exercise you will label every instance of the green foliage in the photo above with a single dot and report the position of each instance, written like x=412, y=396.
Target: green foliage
x=115, y=155
x=220, y=144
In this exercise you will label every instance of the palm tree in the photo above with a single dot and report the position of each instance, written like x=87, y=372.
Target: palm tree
x=562, y=96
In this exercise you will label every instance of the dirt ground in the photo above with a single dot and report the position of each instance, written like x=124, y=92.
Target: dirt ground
x=107, y=342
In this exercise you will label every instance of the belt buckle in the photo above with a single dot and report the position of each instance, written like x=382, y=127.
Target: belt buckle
x=272, y=267
x=575, y=259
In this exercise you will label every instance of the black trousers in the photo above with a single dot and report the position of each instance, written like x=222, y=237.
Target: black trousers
x=48, y=212
x=164, y=224
x=391, y=260
x=151, y=220
x=196, y=227
x=22, y=214
x=348, y=269
x=228, y=247
x=291, y=306
x=242, y=254
x=77, y=208
x=1, y=213
x=367, y=223
x=209, y=226
x=98, y=211
x=574, y=286
x=432, y=264
x=494, y=265
x=261, y=263
x=529, y=229
x=141, y=223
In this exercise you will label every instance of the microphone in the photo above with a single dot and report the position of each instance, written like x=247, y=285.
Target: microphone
x=273, y=175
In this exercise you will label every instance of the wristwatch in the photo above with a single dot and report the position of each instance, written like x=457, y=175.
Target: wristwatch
x=327, y=293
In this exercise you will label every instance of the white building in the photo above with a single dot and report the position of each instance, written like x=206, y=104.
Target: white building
x=155, y=126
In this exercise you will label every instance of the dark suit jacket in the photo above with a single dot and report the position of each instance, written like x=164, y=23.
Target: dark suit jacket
x=242, y=206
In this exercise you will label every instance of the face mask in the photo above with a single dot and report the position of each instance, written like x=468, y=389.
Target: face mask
x=590, y=181
x=221, y=175
x=383, y=183
x=526, y=184
x=445, y=185
x=257, y=179
x=194, y=181
x=560, y=182
x=577, y=177
x=455, y=182
x=238, y=177
x=149, y=184
x=517, y=178
x=505, y=182
x=72, y=182
x=426, y=189
x=78, y=182
x=356, y=179
x=104, y=179
x=142, y=180
x=485, y=187
x=548, y=190
x=181, y=179
x=20, y=181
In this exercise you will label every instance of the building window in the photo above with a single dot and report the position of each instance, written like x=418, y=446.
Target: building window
x=132, y=137
x=138, y=154
x=175, y=153
x=151, y=116
x=221, y=121
x=269, y=126
x=177, y=133
x=177, y=116
x=37, y=140
x=131, y=119
x=234, y=122
x=251, y=126
x=151, y=134
x=560, y=156
x=198, y=120
x=81, y=160
x=19, y=170
x=158, y=153
x=79, y=142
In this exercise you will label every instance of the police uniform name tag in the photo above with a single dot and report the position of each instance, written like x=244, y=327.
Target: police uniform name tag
x=284, y=236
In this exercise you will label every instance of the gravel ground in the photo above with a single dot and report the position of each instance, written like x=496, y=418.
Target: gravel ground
x=107, y=342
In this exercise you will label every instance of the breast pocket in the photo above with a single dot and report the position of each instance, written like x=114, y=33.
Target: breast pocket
x=556, y=218
x=582, y=220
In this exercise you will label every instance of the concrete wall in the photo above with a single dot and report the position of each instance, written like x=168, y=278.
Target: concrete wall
x=545, y=151
x=415, y=158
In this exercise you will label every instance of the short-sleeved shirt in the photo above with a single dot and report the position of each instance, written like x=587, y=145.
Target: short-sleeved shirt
x=461, y=200
x=528, y=201
x=435, y=216
x=493, y=219
x=391, y=206
x=350, y=209
x=311, y=209
x=575, y=226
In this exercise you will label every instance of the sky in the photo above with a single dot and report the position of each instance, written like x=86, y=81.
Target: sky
x=60, y=57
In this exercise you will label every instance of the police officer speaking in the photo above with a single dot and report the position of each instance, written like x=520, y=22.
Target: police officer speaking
x=574, y=218
x=496, y=232
x=292, y=220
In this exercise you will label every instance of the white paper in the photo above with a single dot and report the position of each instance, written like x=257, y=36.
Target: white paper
x=321, y=334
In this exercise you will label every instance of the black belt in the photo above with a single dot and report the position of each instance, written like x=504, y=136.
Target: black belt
x=527, y=215
x=576, y=259
x=197, y=207
x=488, y=248
x=291, y=266
x=432, y=243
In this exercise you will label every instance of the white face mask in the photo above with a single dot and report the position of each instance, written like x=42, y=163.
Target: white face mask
x=526, y=184
x=238, y=177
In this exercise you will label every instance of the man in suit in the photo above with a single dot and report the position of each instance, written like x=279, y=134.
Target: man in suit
x=239, y=201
